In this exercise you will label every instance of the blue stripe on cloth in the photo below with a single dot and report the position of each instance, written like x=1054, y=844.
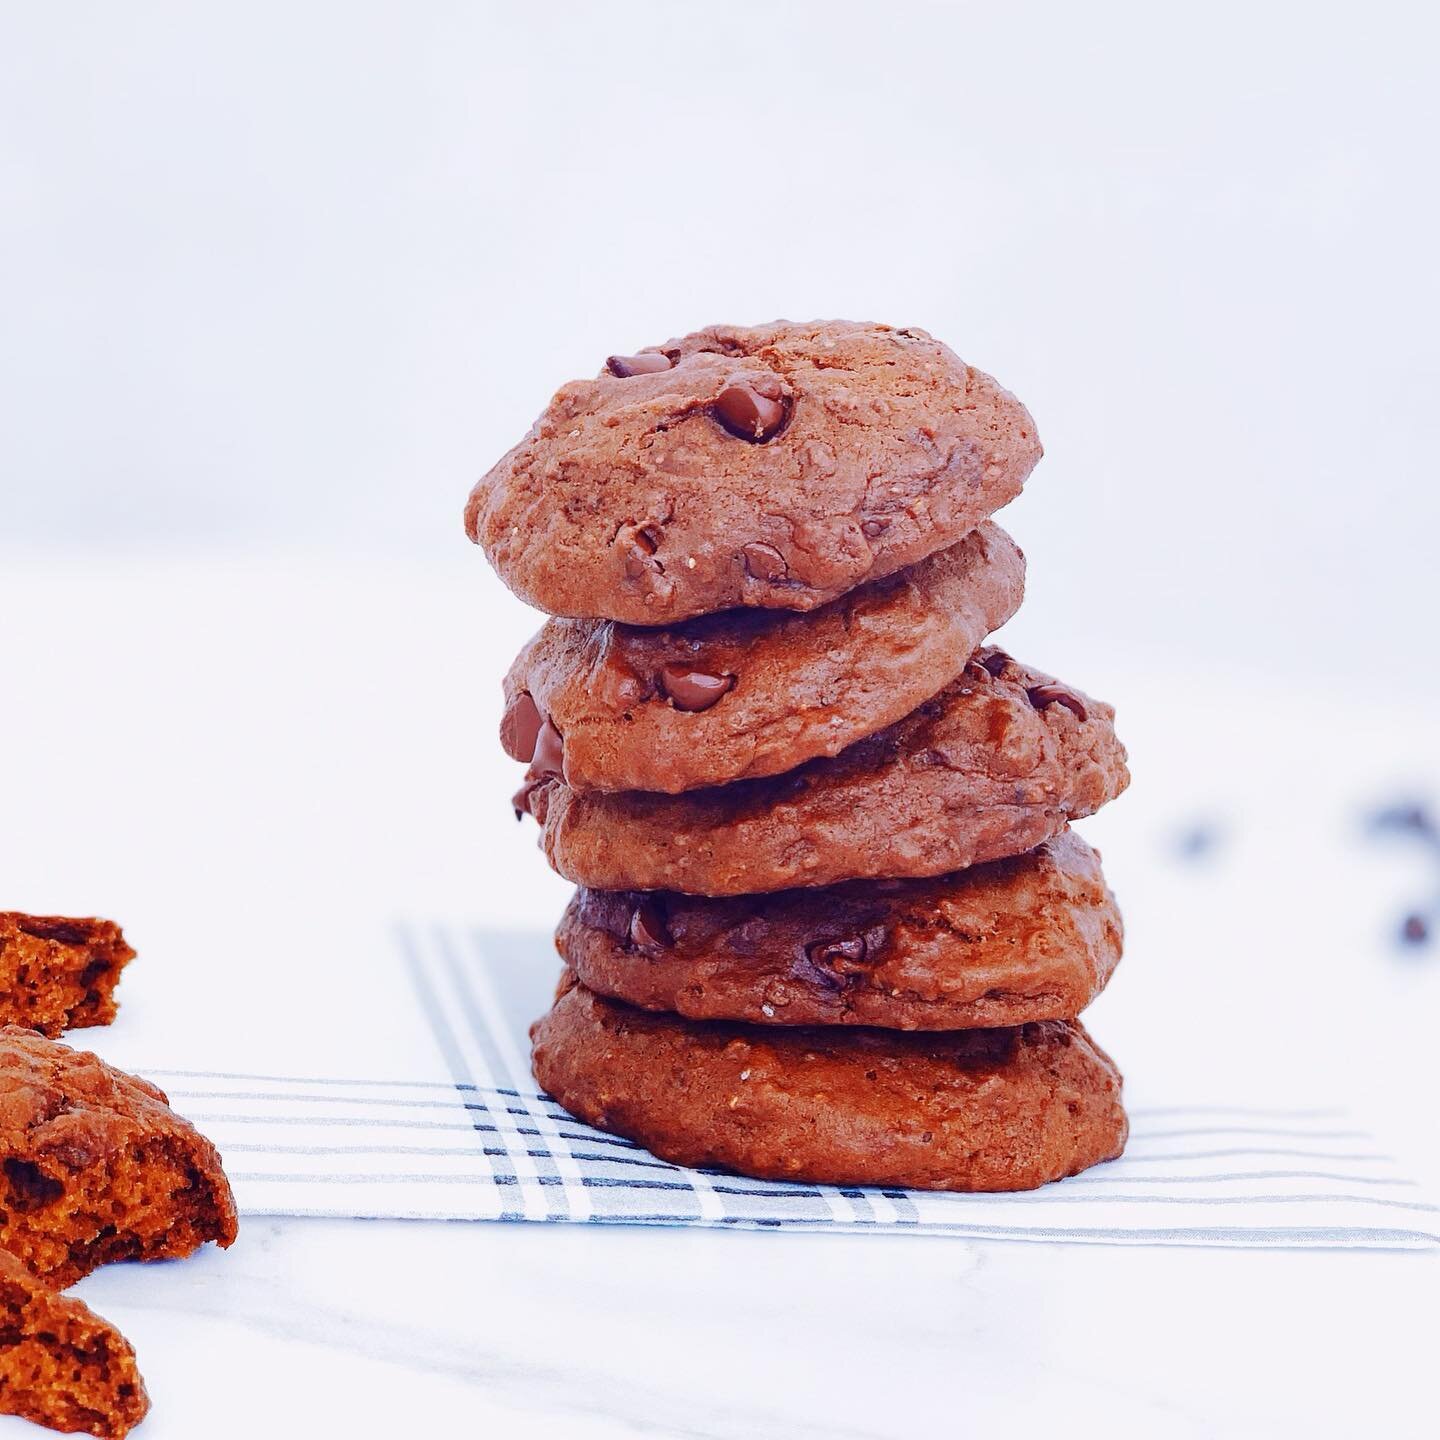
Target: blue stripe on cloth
x=487, y=1145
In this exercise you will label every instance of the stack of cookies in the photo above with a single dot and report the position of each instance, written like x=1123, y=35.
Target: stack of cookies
x=831, y=922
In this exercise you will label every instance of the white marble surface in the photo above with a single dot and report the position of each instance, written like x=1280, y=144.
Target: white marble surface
x=251, y=763
x=396, y=1329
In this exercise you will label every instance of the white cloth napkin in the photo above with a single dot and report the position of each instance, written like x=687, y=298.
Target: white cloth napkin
x=469, y=1137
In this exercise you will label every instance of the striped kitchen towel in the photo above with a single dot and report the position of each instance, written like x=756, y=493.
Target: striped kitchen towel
x=470, y=1138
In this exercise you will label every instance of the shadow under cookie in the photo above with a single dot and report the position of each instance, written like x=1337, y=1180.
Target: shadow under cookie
x=1031, y=938
x=996, y=764
x=978, y=1110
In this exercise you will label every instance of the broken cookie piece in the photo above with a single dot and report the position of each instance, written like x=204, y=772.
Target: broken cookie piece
x=95, y=1166
x=61, y=1365
x=58, y=973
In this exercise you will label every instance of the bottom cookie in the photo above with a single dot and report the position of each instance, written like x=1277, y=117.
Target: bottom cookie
x=1006, y=1109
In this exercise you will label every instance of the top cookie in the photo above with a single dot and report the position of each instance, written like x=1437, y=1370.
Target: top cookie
x=775, y=466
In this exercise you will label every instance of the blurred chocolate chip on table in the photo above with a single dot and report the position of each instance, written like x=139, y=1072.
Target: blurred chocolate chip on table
x=1408, y=817
x=1413, y=820
x=1415, y=929
x=1198, y=841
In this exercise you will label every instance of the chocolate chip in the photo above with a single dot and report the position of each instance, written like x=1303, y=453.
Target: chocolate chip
x=647, y=927
x=753, y=409
x=548, y=757
x=872, y=528
x=63, y=932
x=995, y=663
x=1043, y=695
x=29, y=1187
x=693, y=689
x=520, y=727
x=1415, y=931
x=520, y=800
x=649, y=362
x=764, y=562
x=843, y=957
x=648, y=538
x=547, y=762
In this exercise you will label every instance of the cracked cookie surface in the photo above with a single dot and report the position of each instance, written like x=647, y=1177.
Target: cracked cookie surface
x=649, y=494
x=1035, y=937
x=983, y=1110
x=996, y=764
x=756, y=692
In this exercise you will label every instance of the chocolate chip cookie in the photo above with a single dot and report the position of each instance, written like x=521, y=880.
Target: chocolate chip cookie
x=994, y=765
x=61, y=1365
x=756, y=692
x=1005, y=1109
x=778, y=466
x=1030, y=938
x=95, y=1166
x=59, y=973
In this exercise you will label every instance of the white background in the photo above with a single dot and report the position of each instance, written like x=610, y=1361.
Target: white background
x=278, y=281
x=283, y=275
